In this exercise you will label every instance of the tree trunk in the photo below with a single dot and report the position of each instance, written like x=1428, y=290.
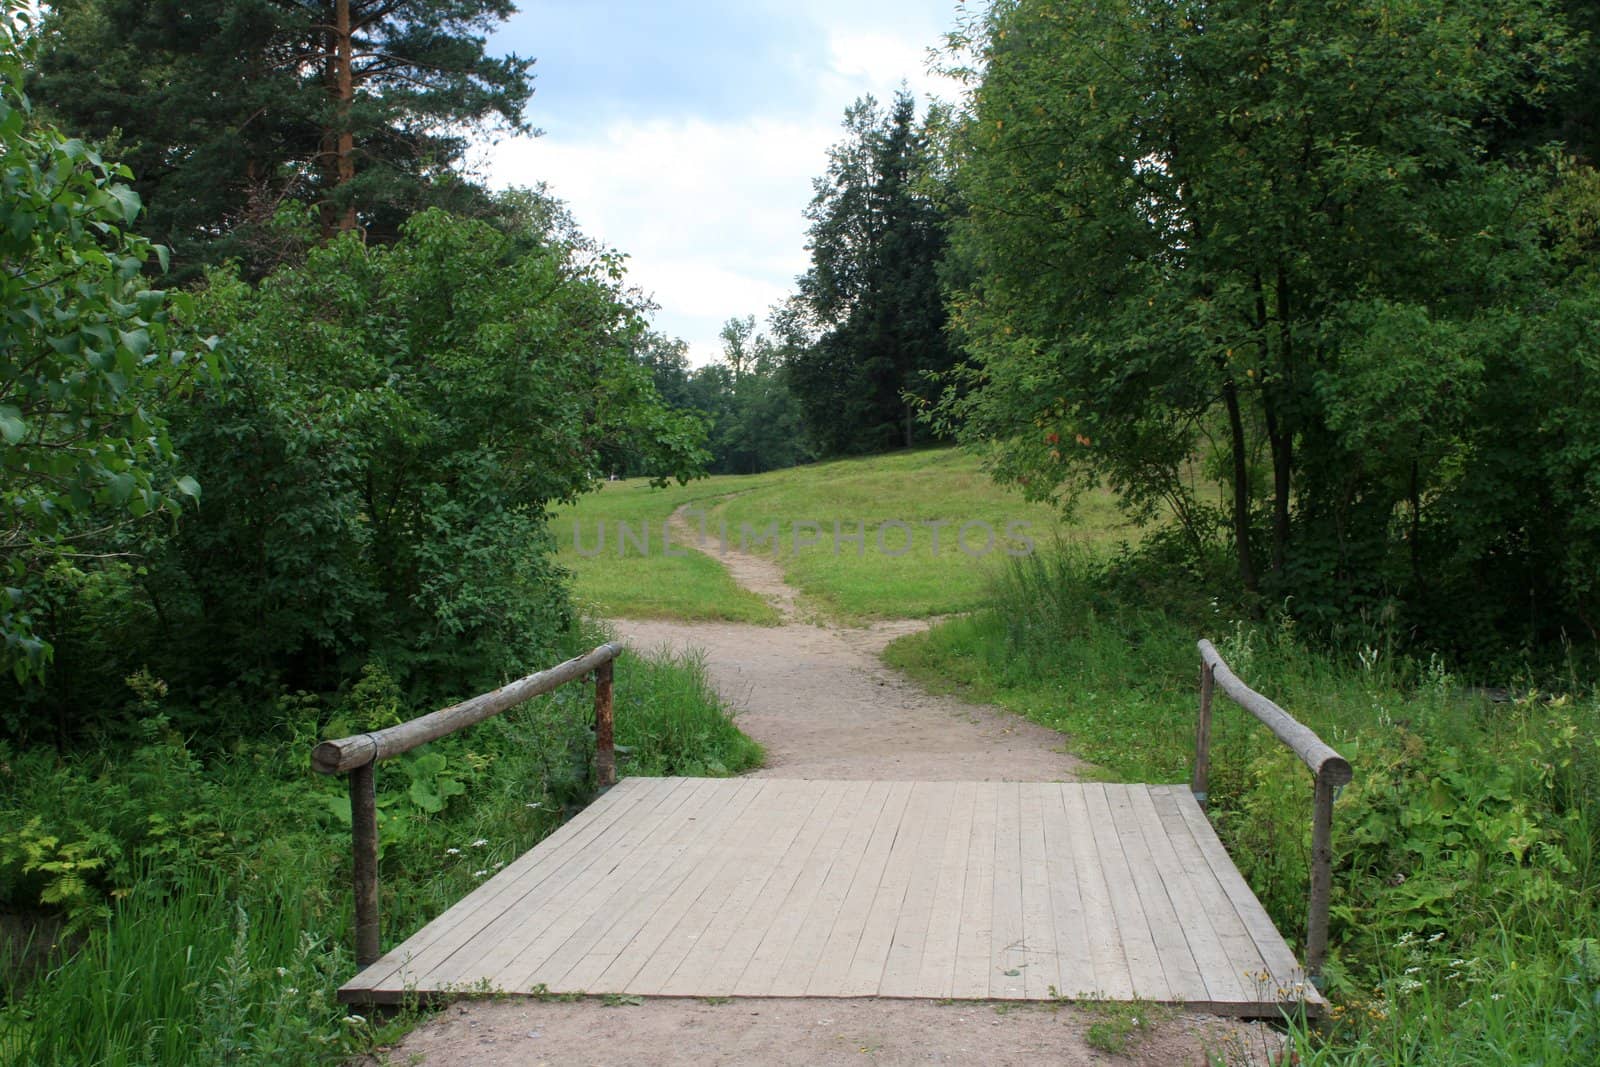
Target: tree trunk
x=345, y=93
x=1415, y=495
x=1282, y=443
x=1241, y=487
x=1280, y=430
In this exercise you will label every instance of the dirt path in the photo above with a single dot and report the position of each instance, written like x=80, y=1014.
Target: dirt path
x=824, y=706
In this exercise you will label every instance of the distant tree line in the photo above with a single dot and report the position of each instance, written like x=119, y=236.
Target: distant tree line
x=848, y=365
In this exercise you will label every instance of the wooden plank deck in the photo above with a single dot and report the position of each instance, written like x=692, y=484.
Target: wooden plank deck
x=774, y=887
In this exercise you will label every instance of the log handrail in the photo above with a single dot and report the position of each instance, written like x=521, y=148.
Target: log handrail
x=1330, y=770
x=359, y=754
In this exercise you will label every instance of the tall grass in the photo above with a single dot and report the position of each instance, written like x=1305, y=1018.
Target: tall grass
x=196, y=977
x=1466, y=919
x=227, y=873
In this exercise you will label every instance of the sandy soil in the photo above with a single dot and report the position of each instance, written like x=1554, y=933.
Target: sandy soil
x=824, y=706
x=814, y=1033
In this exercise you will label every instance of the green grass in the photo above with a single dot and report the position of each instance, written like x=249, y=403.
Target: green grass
x=901, y=577
x=1466, y=912
x=228, y=873
x=613, y=578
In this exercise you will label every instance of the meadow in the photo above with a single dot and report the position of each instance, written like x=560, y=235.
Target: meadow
x=857, y=537
x=1465, y=923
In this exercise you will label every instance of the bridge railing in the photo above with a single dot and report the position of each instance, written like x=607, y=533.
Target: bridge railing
x=358, y=756
x=1330, y=769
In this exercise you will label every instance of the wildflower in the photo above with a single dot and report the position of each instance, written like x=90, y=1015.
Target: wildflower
x=479, y=874
x=291, y=991
x=535, y=804
x=1497, y=996
x=480, y=842
x=1413, y=970
x=1436, y=937
x=283, y=972
x=452, y=852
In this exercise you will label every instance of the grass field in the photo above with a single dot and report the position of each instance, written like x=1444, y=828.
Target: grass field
x=857, y=537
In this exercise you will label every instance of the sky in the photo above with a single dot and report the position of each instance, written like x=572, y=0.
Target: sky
x=686, y=133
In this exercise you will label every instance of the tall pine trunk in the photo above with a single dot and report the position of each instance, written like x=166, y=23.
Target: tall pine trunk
x=345, y=91
x=1241, y=486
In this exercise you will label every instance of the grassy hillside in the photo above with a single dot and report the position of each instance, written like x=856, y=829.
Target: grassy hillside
x=890, y=503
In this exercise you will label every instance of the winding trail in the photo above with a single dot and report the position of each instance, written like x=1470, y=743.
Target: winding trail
x=821, y=702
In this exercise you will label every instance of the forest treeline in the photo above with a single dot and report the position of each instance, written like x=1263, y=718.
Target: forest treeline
x=287, y=395
x=1312, y=286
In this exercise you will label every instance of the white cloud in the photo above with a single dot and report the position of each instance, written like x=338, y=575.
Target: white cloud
x=710, y=215
x=710, y=212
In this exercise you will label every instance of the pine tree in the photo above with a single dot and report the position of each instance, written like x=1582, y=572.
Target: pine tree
x=229, y=110
x=871, y=301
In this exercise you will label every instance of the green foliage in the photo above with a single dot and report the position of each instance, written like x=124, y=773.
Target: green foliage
x=89, y=355
x=223, y=896
x=1297, y=270
x=752, y=415
x=57, y=873
x=229, y=111
x=867, y=323
x=392, y=425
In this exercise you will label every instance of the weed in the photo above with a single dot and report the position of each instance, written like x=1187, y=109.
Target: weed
x=1118, y=1024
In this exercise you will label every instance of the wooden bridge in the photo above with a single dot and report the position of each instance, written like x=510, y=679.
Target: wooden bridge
x=820, y=888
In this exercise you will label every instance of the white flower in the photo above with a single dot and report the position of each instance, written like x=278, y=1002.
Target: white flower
x=1413, y=970
x=480, y=842
x=479, y=874
x=283, y=972
x=452, y=852
x=535, y=804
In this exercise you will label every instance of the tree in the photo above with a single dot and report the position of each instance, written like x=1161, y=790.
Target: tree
x=88, y=355
x=752, y=419
x=408, y=414
x=228, y=111
x=871, y=300
x=1192, y=233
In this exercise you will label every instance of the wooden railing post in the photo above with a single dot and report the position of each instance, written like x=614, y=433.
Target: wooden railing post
x=1321, y=876
x=1330, y=770
x=364, y=837
x=1199, y=786
x=359, y=754
x=605, y=751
